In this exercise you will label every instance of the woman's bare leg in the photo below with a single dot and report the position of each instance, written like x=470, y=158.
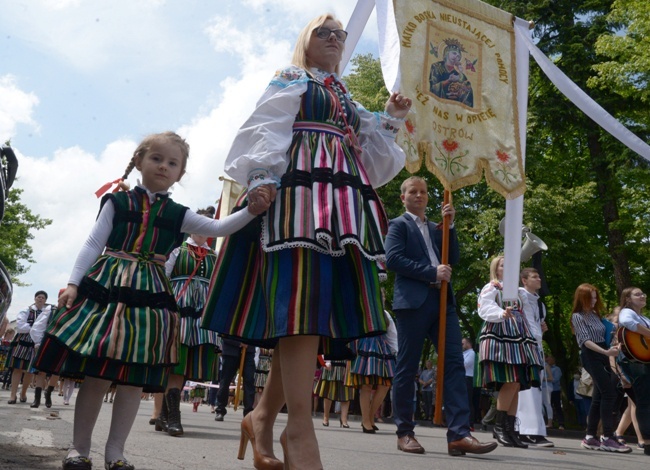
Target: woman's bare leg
x=298, y=354
x=365, y=403
x=377, y=401
x=327, y=406
x=271, y=402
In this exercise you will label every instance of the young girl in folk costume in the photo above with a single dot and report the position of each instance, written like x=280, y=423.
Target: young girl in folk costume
x=509, y=358
x=119, y=320
x=189, y=268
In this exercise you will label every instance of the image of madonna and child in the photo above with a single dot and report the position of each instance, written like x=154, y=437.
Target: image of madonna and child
x=119, y=298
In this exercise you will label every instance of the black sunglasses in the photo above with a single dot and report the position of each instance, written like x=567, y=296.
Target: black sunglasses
x=325, y=33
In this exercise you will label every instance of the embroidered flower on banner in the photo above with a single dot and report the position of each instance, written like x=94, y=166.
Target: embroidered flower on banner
x=450, y=145
x=503, y=167
x=408, y=143
x=503, y=156
x=449, y=159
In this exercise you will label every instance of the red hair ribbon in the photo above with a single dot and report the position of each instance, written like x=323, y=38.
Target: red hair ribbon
x=100, y=192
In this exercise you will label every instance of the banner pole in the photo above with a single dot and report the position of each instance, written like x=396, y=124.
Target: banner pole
x=442, y=317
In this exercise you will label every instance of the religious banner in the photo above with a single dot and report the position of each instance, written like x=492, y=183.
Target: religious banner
x=457, y=62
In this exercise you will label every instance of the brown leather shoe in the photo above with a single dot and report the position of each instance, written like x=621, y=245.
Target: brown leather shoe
x=409, y=444
x=470, y=445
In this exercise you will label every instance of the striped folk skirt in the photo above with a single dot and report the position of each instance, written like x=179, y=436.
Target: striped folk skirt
x=262, y=371
x=332, y=383
x=508, y=353
x=122, y=327
x=21, y=352
x=259, y=297
x=196, y=363
x=374, y=363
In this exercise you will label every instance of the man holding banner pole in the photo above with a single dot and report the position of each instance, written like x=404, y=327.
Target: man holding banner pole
x=413, y=252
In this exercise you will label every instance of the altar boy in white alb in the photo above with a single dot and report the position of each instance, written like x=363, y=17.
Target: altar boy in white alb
x=532, y=427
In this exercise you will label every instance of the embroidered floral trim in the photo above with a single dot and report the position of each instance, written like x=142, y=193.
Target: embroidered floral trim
x=260, y=176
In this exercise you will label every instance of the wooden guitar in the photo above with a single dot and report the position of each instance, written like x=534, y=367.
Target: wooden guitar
x=635, y=346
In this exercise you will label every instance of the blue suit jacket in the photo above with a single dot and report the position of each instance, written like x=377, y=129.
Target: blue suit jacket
x=407, y=256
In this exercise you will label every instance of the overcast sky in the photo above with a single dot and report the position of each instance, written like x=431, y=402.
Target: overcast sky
x=83, y=81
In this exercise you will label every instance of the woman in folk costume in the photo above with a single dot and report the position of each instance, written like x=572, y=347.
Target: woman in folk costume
x=21, y=354
x=372, y=371
x=189, y=268
x=315, y=274
x=332, y=388
x=119, y=319
x=509, y=358
x=262, y=369
x=42, y=382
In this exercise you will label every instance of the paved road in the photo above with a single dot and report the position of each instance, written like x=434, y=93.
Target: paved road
x=37, y=439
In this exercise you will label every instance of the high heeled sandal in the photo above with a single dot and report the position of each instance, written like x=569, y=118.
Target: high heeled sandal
x=346, y=425
x=260, y=461
x=285, y=450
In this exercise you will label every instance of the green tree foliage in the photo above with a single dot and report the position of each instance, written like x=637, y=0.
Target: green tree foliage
x=627, y=70
x=587, y=195
x=16, y=231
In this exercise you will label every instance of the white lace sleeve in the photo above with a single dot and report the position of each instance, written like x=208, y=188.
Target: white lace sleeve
x=95, y=244
x=38, y=328
x=171, y=261
x=381, y=157
x=488, y=307
x=391, y=333
x=202, y=225
x=21, y=322
x=261, y=144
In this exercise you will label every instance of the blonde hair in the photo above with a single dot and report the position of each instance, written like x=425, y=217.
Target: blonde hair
x=145, y=145
x=299, y=58
x=494, y=265
x=409, y=180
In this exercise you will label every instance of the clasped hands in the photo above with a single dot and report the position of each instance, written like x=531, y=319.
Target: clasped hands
x=260, y=198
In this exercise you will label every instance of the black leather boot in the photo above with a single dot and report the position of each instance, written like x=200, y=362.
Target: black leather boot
x=514, y=436
x=173, y=398
x=161, y=420
x=499, y=431
x=48, y=396
x=37, y=398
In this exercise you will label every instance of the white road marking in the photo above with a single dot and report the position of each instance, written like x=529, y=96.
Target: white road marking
x=31, y=437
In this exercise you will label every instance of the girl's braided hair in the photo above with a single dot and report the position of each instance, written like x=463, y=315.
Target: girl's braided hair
x=146, y=143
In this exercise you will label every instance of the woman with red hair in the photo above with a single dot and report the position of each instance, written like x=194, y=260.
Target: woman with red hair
x=594, y=353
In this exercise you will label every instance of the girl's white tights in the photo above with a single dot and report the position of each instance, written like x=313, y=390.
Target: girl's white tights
x=125, y=409
x=87, y=407
x=68, y=390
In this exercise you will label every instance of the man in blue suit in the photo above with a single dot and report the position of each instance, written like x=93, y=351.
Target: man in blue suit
x=413, y=252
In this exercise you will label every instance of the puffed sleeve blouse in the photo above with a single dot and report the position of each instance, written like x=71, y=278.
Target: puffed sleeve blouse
x=264, y=139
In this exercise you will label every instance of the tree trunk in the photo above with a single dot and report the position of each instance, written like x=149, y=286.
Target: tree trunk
x=608, y=194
